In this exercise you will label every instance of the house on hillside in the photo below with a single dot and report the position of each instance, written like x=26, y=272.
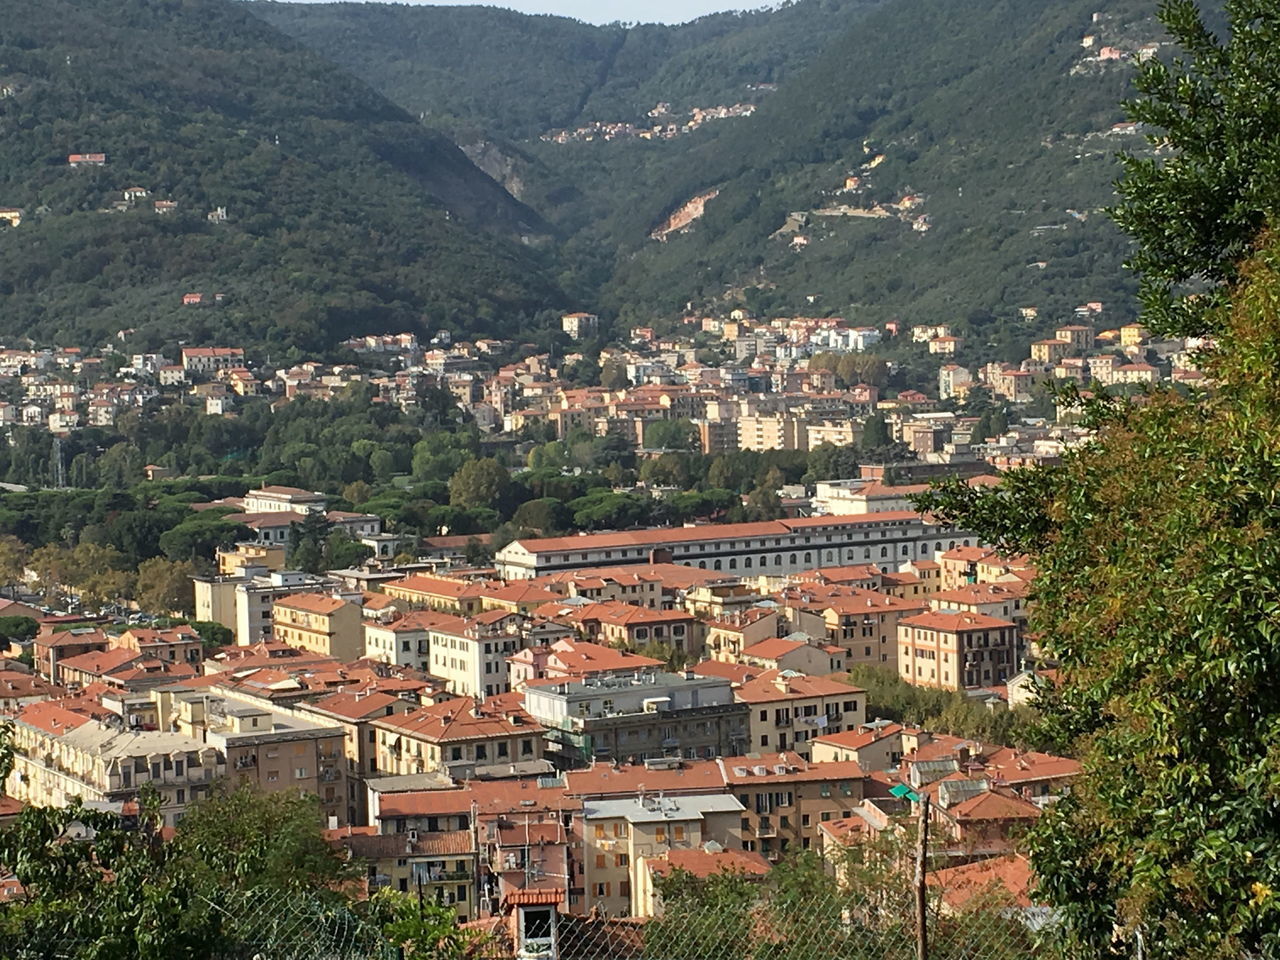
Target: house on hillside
x=76, y=160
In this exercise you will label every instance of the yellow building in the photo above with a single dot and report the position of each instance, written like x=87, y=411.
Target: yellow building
x=436, y=593
x=951, y=650
x=1132, y=334
x=329, y=626
x=232, y=562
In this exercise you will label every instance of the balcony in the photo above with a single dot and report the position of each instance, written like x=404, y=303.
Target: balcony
x=765, y=829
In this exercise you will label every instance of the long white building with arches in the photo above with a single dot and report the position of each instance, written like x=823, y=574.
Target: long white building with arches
x=773, y=547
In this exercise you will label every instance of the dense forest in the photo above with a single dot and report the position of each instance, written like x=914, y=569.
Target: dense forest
x=343, y=214
x=995, y=116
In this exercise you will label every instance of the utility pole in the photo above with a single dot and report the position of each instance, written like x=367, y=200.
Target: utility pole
x=922, y=899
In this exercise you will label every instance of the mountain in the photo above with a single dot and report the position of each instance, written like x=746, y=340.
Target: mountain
x=343, y=214
x=516, y=76
x=977, y=139
x=981, y=139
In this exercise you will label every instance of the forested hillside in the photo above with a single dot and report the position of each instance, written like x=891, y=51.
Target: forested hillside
x=342, y=213
x=516, y=76
x=980, y=138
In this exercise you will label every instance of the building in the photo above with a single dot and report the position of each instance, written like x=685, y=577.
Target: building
x=355, y=713
x=773, y=547
x=953, y=650
x=462, y=737
x=580, y=326
x=326, y=625
x=61, y=754
x=209, y=360
x=785, y=798
x=569, y=659
x=275, y=499
x=440, y=866
x=271, y=749
x=649, y=714
x=619, y=835
x=787, y=710
x=243, y=603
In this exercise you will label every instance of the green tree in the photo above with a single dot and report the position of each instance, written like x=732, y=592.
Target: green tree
x=1197, y=206
x=613, y=376
x=479, y=483
x=829, y=462
x=213, y=635
x=13, y=561
x=165, y=586
x=1158, y=551
x=307, y=539
x=875, y=434
x=671, y=435
x=426, y=931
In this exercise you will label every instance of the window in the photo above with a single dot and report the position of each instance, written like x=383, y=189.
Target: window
x=300, y=773
x=679, y=833
x=600, y=861
x=621, y=860
x=181, y=796
x=599, y=831
x=503, y=749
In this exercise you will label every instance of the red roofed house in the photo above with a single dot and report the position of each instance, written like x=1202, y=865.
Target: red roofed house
x=573, y=660
x=320, y=624
x=787, y=710
x=952, y=650
x=460, y=735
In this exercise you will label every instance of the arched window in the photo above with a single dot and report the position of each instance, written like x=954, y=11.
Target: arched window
x=884, y=552
x=951, y=545
x=746, y=563
x=808, y=558
x=793, y=559
x=777, y=559
x=717, y=564
x=702, y=564
x=733, y=563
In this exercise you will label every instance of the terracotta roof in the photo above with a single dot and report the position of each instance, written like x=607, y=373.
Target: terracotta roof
x=578, y=657
x=56, y=717
x=845, y=830
x=490, y=797
x=312, y=603
x=15, y=685
x=997, y=881
x=982, y=593
x=859, y=738
x=725, y=531
x=454, y=720
x=767, y=687
x=534, y=897
x=702, y=863
x=355, y=706
x=604, y=779
x=376, y=846
x=101, y=662
x=785, y=768
x=950, y=621
x=995, y=804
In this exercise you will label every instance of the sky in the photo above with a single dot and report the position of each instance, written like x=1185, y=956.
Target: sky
x=607, y=11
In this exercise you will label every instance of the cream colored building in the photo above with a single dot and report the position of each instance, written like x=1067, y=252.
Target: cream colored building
x=327, y=625
x=789, y=710
x=952, y=650
x=274, y=750
x=60, y=755
x=619, y=834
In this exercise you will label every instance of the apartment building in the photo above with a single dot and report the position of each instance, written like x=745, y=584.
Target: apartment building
x=61, y=754
x=773, y=547
x=459, y=736
x=405, y=641
x=355, y=713
x=208, y=360
x=651, y=714
x=460, y=597
x=865, y=625
x=784, y=798
x=788, y=710
x=244, y=603
x=953, y=650
x=470, y=653
x=625, y=624
x=618, y=835
x=326, y=625
x=441, y=865
x=272, y=749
